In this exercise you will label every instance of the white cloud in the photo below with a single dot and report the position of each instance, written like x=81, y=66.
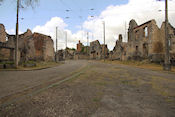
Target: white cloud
x=12, y=31
x=115, y=18
x=50, y=29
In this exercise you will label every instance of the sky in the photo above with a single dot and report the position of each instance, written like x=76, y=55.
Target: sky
x=77, y=17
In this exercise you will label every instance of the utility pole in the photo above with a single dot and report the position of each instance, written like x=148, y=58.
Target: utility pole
x=167, y=64
x=125, y=31
x=87, y=41
x=66, y=38
x=104, y=38
x=56, y=39
x=16, y=44
x=56, y=55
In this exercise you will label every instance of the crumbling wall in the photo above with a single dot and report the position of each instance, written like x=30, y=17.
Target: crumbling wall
x=79, y=47
x=5, y=54
x=2, y=33
x=43, y=47
x=95, y=50
x=144, y=40
x=147, y=41
x=48, y=49
x=104, y=50
x=31, y=46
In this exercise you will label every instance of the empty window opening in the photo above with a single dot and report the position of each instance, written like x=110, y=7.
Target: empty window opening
x=6, y=38
x=145, y=32
x=137, y=34
x=137, y=48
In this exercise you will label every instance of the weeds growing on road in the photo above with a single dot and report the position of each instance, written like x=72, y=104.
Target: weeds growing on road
x=140, y=64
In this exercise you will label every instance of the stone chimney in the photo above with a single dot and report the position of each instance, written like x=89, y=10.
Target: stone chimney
x=120, y=38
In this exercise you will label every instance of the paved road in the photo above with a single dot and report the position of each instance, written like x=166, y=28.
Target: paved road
x=100, y=90
x=14, y=81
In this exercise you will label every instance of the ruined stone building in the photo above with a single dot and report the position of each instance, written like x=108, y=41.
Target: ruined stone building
x=79, y=46
x=96, y=50
x=44, y=49
x=6, y=51
x=59, y=55
x=104, y=51
x=32, y=46
x=119, y=51
x=82, y=51
x=68, y=53
x=146, y=41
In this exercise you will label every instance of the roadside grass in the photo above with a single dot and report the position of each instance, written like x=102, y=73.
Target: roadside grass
x=39, y=65
x=140, y=64
x=164, y=87
x=36, y=65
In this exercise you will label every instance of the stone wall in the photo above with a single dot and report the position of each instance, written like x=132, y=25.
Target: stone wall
x=80, y=56
x=59, y=55
x=147, y=41
x=44, y=49
x=79, y=47
x=119, y=51
x=31, y=46
x=5, y=53
x=95, y=50
x=144, y=40
x=171, y=31
x=2, y=33
x=104, y=50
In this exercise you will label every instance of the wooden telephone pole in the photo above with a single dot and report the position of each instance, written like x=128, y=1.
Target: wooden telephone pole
x=87, y=43
x=16, y=43
x=56, y=39
x=104, y=38
x=167, y=64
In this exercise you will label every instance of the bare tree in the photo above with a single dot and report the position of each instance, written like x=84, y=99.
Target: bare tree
x=26, y=3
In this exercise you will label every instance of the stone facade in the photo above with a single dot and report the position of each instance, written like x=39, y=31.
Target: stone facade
x=2, y=33
x=59, y=55
x=119, y=51
x=44, y=49
x=104, y=50
x=6, y=52
x=79, y=46
x=146, y=41
x=31, y=47
x=171, y=31
x=96, y=50
x=68, y=54
x=82, y=52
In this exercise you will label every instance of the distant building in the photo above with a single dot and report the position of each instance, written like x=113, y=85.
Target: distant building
x=82, y=52
x=68, y=53
x=79, y=46
x=104, y=51
x=119, y=51
x=96, y=50
x=59, y=55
